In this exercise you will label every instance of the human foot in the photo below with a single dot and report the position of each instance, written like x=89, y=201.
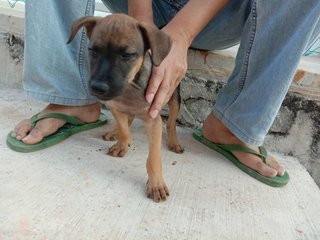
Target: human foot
x=45, y=127
x=215, y=131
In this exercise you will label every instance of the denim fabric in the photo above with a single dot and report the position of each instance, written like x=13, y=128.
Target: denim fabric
x=55, y=71
x=273, y=35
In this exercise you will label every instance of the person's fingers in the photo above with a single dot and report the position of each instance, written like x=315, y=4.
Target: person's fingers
x=154, y=83
x=165, y=78
x=162, y=96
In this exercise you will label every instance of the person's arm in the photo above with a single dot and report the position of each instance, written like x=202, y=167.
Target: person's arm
x=183, y=28
x=141, y=10
x=193, y=17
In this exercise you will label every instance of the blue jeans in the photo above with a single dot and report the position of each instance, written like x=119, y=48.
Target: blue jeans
x=273, y=35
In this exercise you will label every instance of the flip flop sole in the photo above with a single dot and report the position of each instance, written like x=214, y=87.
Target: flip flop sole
x=277, y=181
x=66, y=131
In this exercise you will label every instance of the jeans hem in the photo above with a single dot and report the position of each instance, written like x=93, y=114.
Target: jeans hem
x=59, y=100
x=235, y=130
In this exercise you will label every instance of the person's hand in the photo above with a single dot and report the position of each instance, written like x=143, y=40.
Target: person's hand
x=167, y=76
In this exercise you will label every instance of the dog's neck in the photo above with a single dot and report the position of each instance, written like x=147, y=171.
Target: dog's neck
x=141, y=79
x=132, y=100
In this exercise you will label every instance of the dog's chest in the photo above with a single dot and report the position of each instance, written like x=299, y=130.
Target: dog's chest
x=131, y=103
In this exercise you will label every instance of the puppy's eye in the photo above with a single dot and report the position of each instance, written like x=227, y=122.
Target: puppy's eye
x=128, y=56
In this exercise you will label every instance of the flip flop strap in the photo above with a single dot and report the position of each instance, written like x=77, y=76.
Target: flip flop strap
x=232, y=147
x=67, y=118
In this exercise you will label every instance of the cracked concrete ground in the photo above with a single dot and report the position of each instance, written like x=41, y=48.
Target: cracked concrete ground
x=75, y=191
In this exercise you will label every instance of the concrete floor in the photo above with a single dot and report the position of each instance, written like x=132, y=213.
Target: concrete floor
x=75, y=191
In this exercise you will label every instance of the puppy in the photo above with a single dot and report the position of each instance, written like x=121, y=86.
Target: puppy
x=122, y=52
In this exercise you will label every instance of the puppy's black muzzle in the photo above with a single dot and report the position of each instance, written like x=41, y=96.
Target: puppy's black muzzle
x=99, y=88
x=103, y=90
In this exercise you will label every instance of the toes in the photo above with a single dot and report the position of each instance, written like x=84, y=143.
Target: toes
x=265, y=170
x=34, y=136
x=275, y=165
x=110, y=136
x=164, y=192
x=157, y=192
x=156, y=195
x=177, y=148
x=118, y=150
x=271, y=169
x=22, y=129
x=281, y=171
x=42, y=129
x=256, y=164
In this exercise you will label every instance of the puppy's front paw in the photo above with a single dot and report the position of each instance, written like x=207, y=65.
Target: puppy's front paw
x=176, y=147
x=118, y=150
x=111, y=136
x=157, y=190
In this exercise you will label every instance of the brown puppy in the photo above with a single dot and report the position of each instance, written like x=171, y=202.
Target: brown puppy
x=120, y=68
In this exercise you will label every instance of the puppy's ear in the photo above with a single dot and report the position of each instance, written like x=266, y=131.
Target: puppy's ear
x=159, y=42
x=88, y=22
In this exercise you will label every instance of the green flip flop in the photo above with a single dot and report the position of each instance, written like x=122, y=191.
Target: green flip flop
x=72, y=126
x=225, y=150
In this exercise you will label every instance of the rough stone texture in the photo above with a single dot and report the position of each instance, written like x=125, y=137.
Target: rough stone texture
x=198, y=97
x=11, y=48
x=299, y=137
x=15, y=46
x=11, y=45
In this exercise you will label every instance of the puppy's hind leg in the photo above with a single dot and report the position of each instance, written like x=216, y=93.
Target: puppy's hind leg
x=174, y=107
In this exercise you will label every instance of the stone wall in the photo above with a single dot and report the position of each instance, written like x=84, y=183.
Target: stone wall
x=11, y=45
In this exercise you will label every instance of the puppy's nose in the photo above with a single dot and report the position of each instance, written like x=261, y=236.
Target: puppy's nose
x=99, y=88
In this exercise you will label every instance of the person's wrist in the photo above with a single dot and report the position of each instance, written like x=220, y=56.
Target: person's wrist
x=179, y=36
x=144, y=18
